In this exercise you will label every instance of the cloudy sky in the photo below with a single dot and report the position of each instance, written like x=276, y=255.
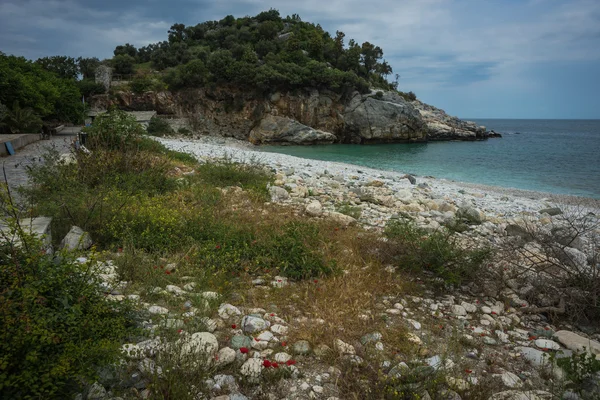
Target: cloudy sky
x=473, y=58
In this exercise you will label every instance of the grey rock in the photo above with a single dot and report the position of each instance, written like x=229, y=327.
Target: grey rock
x=522, y=395
x=278, y=193
x=301, y=347
x=392, y=119
x=96, y=392
x=239, y=341
x=253, y=324
x=76, y=239
x=551, y=211
x=276, y=129
x=577, y=343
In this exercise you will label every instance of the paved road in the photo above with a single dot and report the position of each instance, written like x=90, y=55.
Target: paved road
x=15, y=167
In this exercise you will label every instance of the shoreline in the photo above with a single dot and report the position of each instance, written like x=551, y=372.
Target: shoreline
x=493, y=198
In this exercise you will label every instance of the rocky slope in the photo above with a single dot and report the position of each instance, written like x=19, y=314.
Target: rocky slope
x=306, y=117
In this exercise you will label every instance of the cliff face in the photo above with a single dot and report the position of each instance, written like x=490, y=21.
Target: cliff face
x=306, y=117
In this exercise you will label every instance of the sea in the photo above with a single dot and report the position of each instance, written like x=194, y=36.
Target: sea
x=554, y=156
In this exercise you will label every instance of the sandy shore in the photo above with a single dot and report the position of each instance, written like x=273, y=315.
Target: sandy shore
x=500, y=201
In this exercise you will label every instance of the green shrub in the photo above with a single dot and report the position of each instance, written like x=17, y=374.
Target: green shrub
x=379, y=95
x=184, y=131
x=439, y=252
x=347, y=209
x=57, y=327
x=224, y=173
x=140, y=84
x=123, y=64
x=89, y=87
x=579, y=368
x=114, y=130
x=159, y=127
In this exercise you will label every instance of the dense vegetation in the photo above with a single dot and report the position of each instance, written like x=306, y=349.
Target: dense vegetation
x=47, y=90
x=262, y=52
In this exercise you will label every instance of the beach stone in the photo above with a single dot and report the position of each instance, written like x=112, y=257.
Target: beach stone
x=343, y=347
x=458, y=310
x=471, y=215
x=278, y=194
x=511, y=380
x=96, y=392
x=279, y=329
x=577, y=343
x=342, y=219
x=547, y=344
x=239, y=341
x=76, y=239
x=282, y=357
x=551, y=211
x=301, y=347
x=252, y=324
x=225, y=356
x=469, y=308
x=202, y=344
x=519, y=395
x=158, y=310
x=176, y=290
x=252, y=368
x=227, y=311
x=314, y=209
x=537, y=357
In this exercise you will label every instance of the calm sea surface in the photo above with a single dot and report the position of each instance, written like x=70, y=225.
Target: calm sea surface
x=556, y=156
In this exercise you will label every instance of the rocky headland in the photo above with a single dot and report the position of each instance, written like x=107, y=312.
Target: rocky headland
x=307, y=116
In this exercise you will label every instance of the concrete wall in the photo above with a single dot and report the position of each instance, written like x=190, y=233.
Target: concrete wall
x=18, y=141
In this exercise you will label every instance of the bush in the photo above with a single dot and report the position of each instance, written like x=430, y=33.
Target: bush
x=123, y=64
x=226, y=173
x=114, y=130
x=57, y=327
x=438, y=253
x=89, y=87
x=140, y=84
x=159, y=127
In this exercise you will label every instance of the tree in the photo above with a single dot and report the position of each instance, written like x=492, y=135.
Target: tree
x=123, y=64
x=34, y=87
x=177, y=33
x=87, y=67
x=63, y=66
x=370, y=56
x=20, y=120
x=126, y=49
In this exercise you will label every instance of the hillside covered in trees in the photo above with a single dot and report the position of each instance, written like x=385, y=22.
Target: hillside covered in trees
x=264, y=52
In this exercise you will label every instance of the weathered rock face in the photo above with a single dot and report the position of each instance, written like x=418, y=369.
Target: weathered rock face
x=441, y=126
x=389, y=119
x=306, y=117
x=282, y=130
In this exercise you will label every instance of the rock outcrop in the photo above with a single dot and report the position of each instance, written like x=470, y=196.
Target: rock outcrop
x=306, y=117
x=441, y=126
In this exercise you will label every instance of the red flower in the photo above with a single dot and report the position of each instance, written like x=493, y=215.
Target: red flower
x=275, y=365
x=532, y=337
x=290, y=362
x=284, y=343
x=218, y=247
x=168, y=272
x=316, y=281
x=233, y=326
x=120, y=250
x=267, y=364
x=244, y=350
x=180, y=330
x=336, y=229
x=162, y=266
x=155, y=267
x=278, y=280
x=468, y=371
x=272, y=314
x=494, y=312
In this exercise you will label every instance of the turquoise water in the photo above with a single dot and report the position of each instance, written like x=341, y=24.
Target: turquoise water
x=556, y=156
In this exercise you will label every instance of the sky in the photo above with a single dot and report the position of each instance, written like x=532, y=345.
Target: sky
x=472, y=58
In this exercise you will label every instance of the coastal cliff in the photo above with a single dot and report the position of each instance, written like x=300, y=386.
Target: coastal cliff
x=308, y=116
